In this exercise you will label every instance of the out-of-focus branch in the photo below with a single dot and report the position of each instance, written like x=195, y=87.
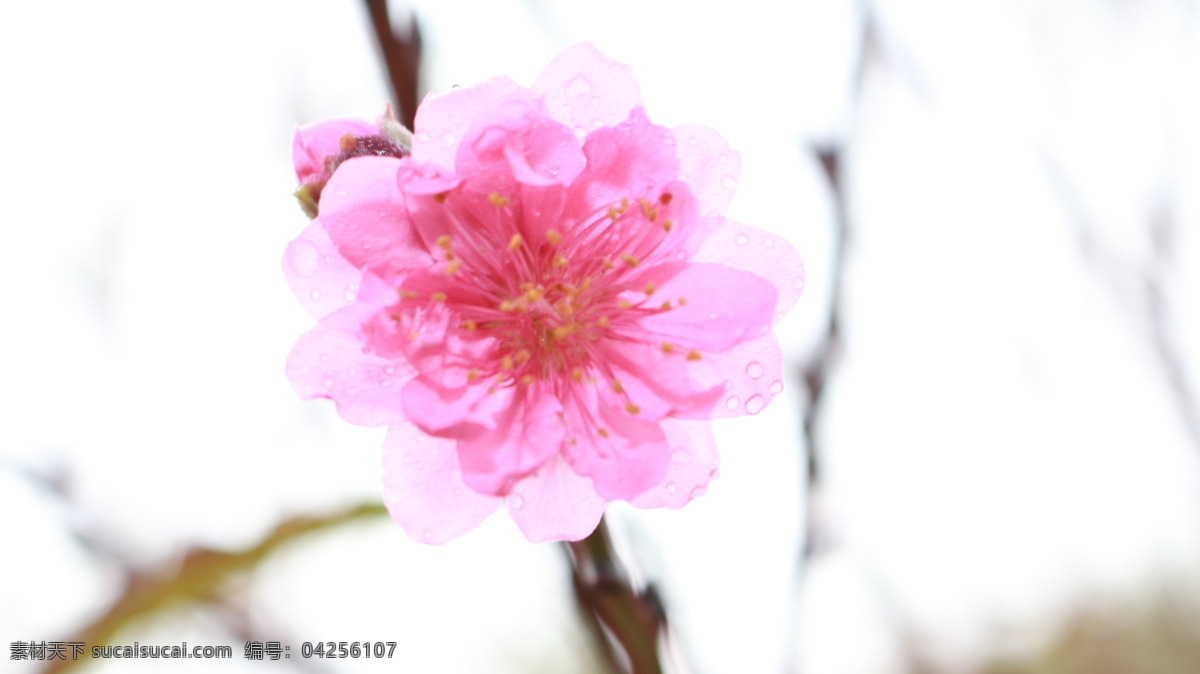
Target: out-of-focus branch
x=199, y=578
x=401, y=56
x=620, y=617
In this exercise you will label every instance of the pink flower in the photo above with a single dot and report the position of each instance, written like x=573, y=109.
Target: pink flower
x=543, y=303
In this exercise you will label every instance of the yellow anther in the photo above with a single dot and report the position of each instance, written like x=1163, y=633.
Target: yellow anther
x=665, y=305
x=497, y=200
x=535, y=293
x=438, y=296
x=407, y=294
x=682, y=301
x=515, y=242
x=693, y=355
x=523, y=356
x=668, y=347
x=553, y=237
x=624, y=205
x=527, y=379
x=576, y=374
x=624, y=304
x=608, y=264
x=666, y=198
x=508, y=305
x=564, y=308
x=668, y=225
x=560, y=260
x=443, y=242
x=649, y=211
x=440, y=197
x=564, y=331
x=412, y=336
x=602, y=321
x=649, y=289
x=603, y=433
x=473, y=374
x=613, y=213
x=468, y=324
x=394, y=317
x=347, y=142
x=506, y=363
x=632, y=409
x=453, y=266
x=629, y=259
x=616, y=386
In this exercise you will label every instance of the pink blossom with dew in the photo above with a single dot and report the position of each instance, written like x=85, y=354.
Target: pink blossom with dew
x=543, y=302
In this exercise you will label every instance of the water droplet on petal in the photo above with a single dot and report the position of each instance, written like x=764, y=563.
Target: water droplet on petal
x=692, y=140
x=754, y=370
x=728, y=384
x=698, y=492
x=420, y=465
x=423, y=137
x=315, y=294
x=350, y=293
x=671, y=488
x=351, y=391
x=727, y=180
x=554, y=170
x=681, y=455
x=723, y=158
x=580, y=132
x=428, y=535
x=776, y=386
x=578, y=86
x=325, y=358
x=769, y=241
x=327, y=383
x=389, y=370
x=515, y=501
x=755, y=404
x=732, y=402
x=741, y=239
x=447, y=138
x=458, y=491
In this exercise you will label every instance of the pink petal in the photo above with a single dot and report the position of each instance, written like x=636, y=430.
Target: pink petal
x=709, y=166
x=748, y=376
x=631, y=160
x=363, y=210
x=513, y=139
x=328, y=362
x=460, y=413
x=321, y=278
x=724, y=306
x=767, y=255
x=442, y=120
x=693, y=465
x=629, y=457
x=313, y=143
x=585, y=89
x=555, y=504
x=528, y=433
x=659, y=383
x=423, y=487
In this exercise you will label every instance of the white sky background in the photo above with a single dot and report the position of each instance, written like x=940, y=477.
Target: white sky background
x=1002, y=434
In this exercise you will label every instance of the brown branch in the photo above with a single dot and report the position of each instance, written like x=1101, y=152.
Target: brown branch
x=627, y=624
x=198, y=579
x=402, y=58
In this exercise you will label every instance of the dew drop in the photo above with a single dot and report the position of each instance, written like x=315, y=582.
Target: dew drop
x=698, y=492
x=741, y=239
x=723, y=158
x=515, y=502
x=447, y=138
x=732, y=402
x=423, y=137
x=728, y=384
x=769, y=241
x=324, y=358
x=458, y=491
x=304, y=370
x=389, y=370
x=428, y=535
x=680, y=255
x=341, y=191
x=420, y=465
x=595, y=101
x=680, y=456
x=671, y=488
x=755, y=404
x=580, y=132
x=315, y=294
x=554, y=170
x=727, y=180
x=776, y=387
x=327, y=384
x=692, y=140
x=350, y=293
x=351, y=391
x=578, y=86
x=754, y=370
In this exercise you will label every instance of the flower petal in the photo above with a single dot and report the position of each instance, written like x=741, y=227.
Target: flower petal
x=750, y=376
x=423, y=487
x=622, y=454
x=709, y=166
x=460, y=413
x=314, y=143
x=693, y=465
x=721, y=306
x=443, y=119
x=321, y=278
x=768, y=255
x=362, y=208
x=584, y=89
x=631, y=160
x=525, y=435
x=328, y=362
x=555, y=504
